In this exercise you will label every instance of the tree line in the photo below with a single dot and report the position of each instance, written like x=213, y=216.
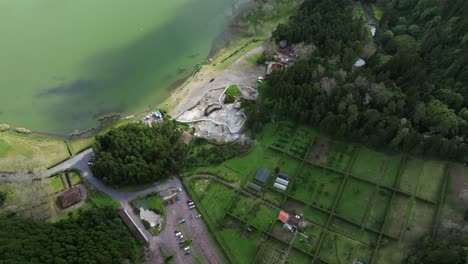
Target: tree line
x=413, y=96
x=96, y=236
x=139, y=154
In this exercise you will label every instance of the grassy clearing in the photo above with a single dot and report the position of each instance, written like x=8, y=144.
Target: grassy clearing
x=339, y=249
x=241, y=244
x=307, y=238
x=251, y=211
x=340, y=155
x=75, y=178
x=273, y=197
x=101, y=199
x=354, y=200
x=315, y=216
x=254, y=59
x=78, y=145
x=354, y=232
x=358, y=10
x=431, y=180
x=410, y=176
x=316, y=186
x=233, y=90
x=216, y=199
x=376, y=166
x=289, y=165
x=56, y=183
x=19, y=152
x=397, y=215
x=421, y=221
x=377, y=12
x=376, y=215
x=297, y=257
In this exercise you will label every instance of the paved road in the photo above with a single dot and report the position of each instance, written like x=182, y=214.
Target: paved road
x=203, y=245
x=80, y=162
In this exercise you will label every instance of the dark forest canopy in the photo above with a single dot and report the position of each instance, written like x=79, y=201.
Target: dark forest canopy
x=437, y=251
x=138, y=154
x=96, y=236
x=411, y=96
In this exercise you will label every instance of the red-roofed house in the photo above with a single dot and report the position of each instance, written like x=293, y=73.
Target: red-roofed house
x=283, y=217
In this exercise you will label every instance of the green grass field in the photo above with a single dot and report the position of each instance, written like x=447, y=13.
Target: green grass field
x=289, y=165
x=56, y=183
x=420, y=222
x=233, y=90
x=377, y=12
x=376, y=213
x=315, y=216
x=316, y=186
x=410, y=176
x=397, y=214
x=75, y=178
x=307, y=238
x=339, y=249
x=354, y=232
x=78, y=145
x=101, y=199
x=216, y=200
x=271, y=251
x=354, y=200
x=431, y=180
x=273, y=197
x=376, y=166
x=297, y=257
x=19, y=152
x=242, y=245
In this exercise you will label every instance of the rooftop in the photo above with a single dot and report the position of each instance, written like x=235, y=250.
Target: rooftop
x=262, y=175
x=283, y=216
x=70, y=197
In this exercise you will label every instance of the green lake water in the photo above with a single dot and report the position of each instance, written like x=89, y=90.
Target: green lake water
x=63, y=64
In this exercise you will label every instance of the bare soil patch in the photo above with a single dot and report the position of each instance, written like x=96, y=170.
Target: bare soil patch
x=294, y=206
x=319, y=151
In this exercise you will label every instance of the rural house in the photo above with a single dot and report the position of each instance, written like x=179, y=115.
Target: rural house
x=70, y=197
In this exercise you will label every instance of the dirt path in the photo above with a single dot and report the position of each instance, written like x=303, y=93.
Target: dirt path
x=239, y=72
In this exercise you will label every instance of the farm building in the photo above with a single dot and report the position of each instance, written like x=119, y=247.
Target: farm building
x=70, y=197
x=273, y=66
x=282, y=181
x=255, y=186
x=283, y=217
x=283, y=176
x=283, y=44
x=262, y=175
x=279, y=186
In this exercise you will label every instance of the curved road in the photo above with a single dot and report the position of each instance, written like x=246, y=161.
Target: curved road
x=80, y=162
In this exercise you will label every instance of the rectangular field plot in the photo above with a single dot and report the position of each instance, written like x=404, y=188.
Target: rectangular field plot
x=391, y=252
x=273, y=197
x=239, y=244
x=397, y=214
x=280, y=232
x=333, y=154
x=289, y=165
x=297, y=257
x=353, y=231
x=302, y=140
x=254, y=212
x=430, y=181
x=272, y=251
x=216, y=198
x=376, y=166
x=315, y=216
x=376, y=213
x=307, y=238
x=354, y=200
x=421, y=221
x=410, y=176
x=283, y=136
x=317, y=186
x=339, y=249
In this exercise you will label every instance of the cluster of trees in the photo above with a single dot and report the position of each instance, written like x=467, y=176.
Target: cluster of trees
x=437, y=251
x=203, y=153
x=2, y=198
x=138, y=154
x=96, y=236
x=412, y=96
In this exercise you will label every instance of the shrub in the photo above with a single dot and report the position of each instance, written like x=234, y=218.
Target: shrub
x=146, y=224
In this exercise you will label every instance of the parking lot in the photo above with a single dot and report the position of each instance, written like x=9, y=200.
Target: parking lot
x=203, y=245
